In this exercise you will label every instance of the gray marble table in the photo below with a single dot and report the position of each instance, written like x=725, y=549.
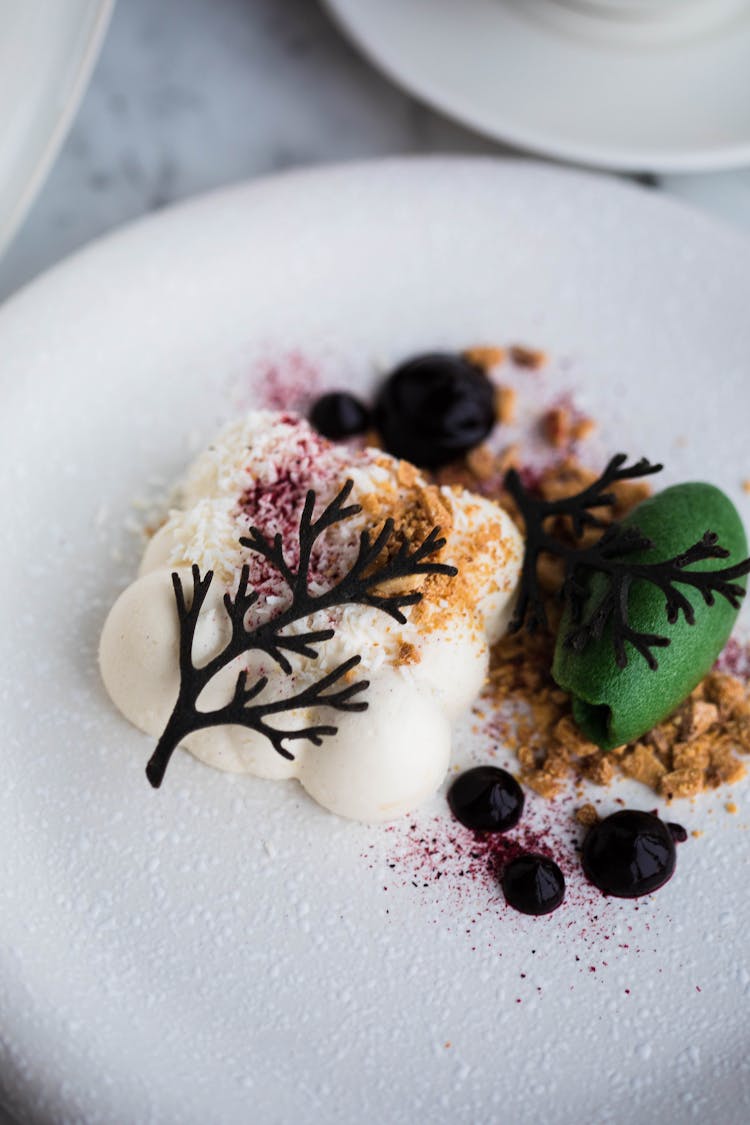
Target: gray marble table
x=192, y=94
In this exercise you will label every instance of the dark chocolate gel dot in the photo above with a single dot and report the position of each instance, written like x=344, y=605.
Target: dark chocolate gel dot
x=338, y=415
x=486, y=799
x=434, y=408
x=629, y=854
x=533, y=884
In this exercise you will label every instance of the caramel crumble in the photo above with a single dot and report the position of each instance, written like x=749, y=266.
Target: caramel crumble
x=505, y=404
x=587, y=815
x=527, y=357
x=485, y=357
x=478, y=552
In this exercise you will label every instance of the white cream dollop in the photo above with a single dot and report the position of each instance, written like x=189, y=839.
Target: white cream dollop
x=422, y=675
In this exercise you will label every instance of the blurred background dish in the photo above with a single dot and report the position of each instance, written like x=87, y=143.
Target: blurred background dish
x=589, y=86
x=47, y=52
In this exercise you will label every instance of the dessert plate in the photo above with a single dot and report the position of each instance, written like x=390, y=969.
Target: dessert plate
x=223, y=949
x=47, y=52
x=665, y=95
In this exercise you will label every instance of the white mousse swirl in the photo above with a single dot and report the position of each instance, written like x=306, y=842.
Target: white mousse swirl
x=423, y=674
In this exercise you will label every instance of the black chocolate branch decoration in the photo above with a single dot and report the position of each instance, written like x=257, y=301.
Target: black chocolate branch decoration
x=376, y=564
x=609, y=555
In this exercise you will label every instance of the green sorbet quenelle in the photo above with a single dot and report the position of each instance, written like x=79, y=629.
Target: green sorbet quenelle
x=613, y=705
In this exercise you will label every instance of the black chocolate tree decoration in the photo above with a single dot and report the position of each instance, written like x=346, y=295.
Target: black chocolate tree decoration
x=609, y=555
x=359, y=586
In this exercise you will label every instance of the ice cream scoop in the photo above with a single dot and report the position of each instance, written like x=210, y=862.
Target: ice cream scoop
x=615, y=705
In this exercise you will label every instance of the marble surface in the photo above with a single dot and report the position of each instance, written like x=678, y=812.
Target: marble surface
x=192, y=94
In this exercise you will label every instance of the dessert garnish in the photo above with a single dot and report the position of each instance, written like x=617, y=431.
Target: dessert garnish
x=629, y=853
x=621, y=588
x=486, y=799
x=434, y=408
x=533, y=884
x=338, y=415
x=617, y=552
x=379, y=561
x=489, y=800
x=613, y=555
x=580, y=510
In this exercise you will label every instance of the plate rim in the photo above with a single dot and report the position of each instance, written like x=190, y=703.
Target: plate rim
x=721, y=227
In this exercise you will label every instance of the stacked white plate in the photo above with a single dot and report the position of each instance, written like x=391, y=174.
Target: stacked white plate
x=47, y=52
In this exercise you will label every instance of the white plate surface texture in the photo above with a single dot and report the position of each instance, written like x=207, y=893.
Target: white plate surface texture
x=47, y=51
x=223, y=949
x=649, y=94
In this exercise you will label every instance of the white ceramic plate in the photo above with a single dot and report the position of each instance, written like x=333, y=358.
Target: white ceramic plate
x=583, y=88
x=47, y=52
x=223, y=950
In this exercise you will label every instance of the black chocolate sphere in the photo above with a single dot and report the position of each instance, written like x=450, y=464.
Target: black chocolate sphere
x=533, y=884
x=629, y=854
x=434, y=408
x=486, y=799
x=338, y=415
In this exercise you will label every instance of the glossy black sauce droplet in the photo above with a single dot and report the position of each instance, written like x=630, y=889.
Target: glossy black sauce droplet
x=486, y=799
x=339, y=415
x=533, y=884
x=677, y=832
x=629, y=854
x=434, y=408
